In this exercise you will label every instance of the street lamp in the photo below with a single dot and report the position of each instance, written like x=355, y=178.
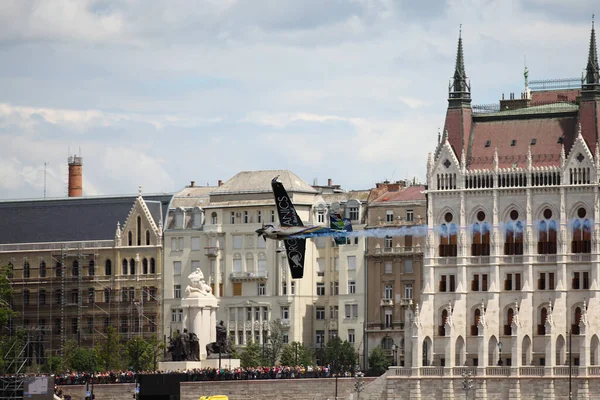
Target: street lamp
x=499, y=353
x=467, y=383
x=394, y=352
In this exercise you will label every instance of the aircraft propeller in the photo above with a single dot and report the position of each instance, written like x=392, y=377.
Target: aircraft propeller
x=261, y=232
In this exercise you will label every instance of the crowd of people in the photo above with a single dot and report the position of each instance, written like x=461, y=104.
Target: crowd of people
x=204, y=374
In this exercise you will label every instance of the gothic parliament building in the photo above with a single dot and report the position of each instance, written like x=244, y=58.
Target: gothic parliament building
x=511, y=267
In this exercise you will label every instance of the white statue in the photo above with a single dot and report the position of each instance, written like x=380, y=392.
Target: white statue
x=198, y=285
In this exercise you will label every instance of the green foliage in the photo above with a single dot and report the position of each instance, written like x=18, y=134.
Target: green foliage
x=296, y=354
x=110, y=351
x=250, y=357
x=6, y=295
x=340, y=355
x=83, y=360
x=378, y=362
x=274, y=345
x=53, y=365
x=140, y=354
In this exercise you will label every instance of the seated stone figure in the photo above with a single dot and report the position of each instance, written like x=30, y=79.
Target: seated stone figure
x=198, y=286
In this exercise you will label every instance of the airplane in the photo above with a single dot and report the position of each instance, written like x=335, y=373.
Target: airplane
x=293, y=233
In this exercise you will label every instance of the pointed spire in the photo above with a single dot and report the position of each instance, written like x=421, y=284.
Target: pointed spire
x=446, y=136
x=579, y=131
x=460, y=90
x=529, y=158
x=592, y=76
x=463, y=160
x=496, y=159
x=563, y=157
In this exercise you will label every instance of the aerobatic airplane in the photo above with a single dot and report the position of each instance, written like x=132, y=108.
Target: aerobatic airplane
x=293, y=232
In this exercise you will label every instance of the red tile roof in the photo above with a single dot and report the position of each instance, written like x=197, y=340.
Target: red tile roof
x=546, y=131
x=406, y=194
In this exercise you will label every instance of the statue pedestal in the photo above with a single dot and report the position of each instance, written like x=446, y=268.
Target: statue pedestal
x=226, y=363
x=200, y=317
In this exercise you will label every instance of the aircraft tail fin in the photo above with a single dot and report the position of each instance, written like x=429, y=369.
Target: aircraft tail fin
x=295, y=250
x=339, y=224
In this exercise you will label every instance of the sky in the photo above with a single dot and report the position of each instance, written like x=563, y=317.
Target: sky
x=158, y=93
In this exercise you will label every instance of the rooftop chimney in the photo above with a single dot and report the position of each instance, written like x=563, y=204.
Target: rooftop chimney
x=220, y=182
x=75, y=176
x=329, y=182
x=192, y=183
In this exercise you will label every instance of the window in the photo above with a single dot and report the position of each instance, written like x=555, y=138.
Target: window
x=353, y=213
x=389, y=216
x=320, y=267
x=286, y=338
x=513, y=244
x=284, y=288
x=173, y=315
x=336, y=288
x=448, y=235
x=409, y=216
x=388, y=243
x=213, y=218
x=129, y=238
x=26, y=297
x=488, y=143
x=195, y=264
x=265, y=313
x=107, y=268
x=237, y=263
x=547, y=234
x=408, y=291
x=513, y=142
x=58, y=269
x=388, y=292
x=152, y=266
x=320, y=313
x=546, y=281
x=139, y=231
x=26, y=270
x=259, y=217
x=176, y=267
x=58, y=297
x=90, y=324
x=388, y=318
x=177, y=244
x=510, y=284
x=237, y=289
x=479, y=283
x=320, y=338
x=145, y=266
x=481, y=238
x=320, y=289
x=107, y=295
x=232, y=217
x=237, y=241
x=246, y=218
x=447, y=283
x=285, y=313
x=351, y=263
x=177, y=291
x=74, y=326
x=408, y=241
x=351, y=287
x=74, y=296
x=147, y=238
x=582, y=233
x=387, y=267
x=293, y=288
x=408, y=266
x=42, y=269
x=272, y=216
x=333, y=312
x=125, y=267
x=336, y=263
x=195, y=243
x=75, y=268
x=580, y=280
x=132, y=267
x=348, y=309
x=180, y=315
x=321, y=216
x=351, y=336
x=262, y=289
x=91, y=296
x=42, y=297
x=354, y=310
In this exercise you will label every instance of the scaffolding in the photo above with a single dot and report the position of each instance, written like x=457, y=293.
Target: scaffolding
x=52, y=291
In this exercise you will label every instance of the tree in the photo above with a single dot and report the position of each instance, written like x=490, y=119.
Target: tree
x=83, y=360
x=250, y=357
x=296, y=354
x=110, y=351
x=340, y=355
x=275, y=343
x=378, y=362
x=140, y=354
x=6, y=295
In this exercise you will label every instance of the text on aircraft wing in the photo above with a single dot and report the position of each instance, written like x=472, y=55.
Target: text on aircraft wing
x=285, y=209
x=295, y=250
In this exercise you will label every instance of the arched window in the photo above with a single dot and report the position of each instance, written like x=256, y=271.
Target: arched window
x=481, y=239
x=152, y=266
x=107, y=295
x=26, y=269
x=582, y=233
x=213, y=218
x=476, y=317
x=542, y=324
x=139, y=231
x=108, y=268
x=147, y=238
x=386, y=343
x=91, y=268
x=124, y=264
x=132, y=267
x=510, y=313
x=129, y=238
x=443, y=319
x=58, y=269
x=448, y=234
x=576, y=320
x=513, y=235
x=197, y=217
x=145, y=266
x=75, y=268
x=547, y=234
x=42, y=269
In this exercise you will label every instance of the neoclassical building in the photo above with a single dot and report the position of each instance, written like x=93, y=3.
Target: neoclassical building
x=511, y=265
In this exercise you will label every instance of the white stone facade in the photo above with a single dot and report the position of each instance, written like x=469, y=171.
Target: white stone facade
x=478, y=290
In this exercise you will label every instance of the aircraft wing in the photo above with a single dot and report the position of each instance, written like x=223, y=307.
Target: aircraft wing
x=295, y=249
x=285, y=209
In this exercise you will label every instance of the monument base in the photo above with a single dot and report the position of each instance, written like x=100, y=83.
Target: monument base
x=227, y=363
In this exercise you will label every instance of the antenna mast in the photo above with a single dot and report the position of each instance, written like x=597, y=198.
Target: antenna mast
x=45, y=165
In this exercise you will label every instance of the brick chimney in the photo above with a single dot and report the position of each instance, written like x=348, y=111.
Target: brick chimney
x=220, y=182
x=329, y=182
x=192, y=183
x=75, y=176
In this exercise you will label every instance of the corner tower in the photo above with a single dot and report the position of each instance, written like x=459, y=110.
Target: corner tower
x=589, y=109
x=458, y=116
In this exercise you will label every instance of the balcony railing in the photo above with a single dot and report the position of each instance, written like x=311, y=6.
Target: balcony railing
x=211, y=251
x=248, y=276
x=56, y=245
x=387, y=302
x=380, y=251
x=497, y=371
x=581, y=257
